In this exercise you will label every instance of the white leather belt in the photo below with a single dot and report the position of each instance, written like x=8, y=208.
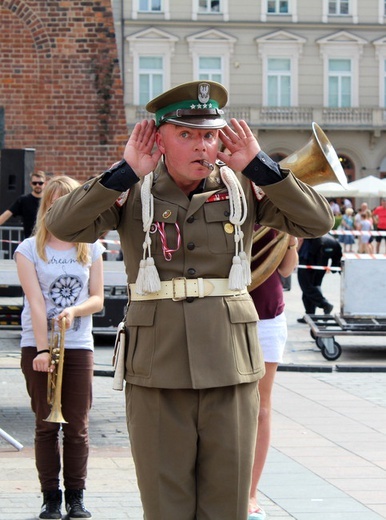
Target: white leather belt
x=181, y=288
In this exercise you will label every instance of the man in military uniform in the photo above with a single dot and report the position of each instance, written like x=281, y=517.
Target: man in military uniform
x=185, y=216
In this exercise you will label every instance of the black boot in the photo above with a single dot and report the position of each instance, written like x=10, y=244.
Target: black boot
x=74, y=505
x=52, y=502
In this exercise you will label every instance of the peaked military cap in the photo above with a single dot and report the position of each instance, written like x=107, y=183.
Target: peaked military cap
x=196, y=104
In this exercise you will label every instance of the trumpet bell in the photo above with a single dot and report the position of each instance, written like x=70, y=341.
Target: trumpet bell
x=55, y=416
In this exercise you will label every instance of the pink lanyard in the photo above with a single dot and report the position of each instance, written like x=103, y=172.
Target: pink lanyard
x=167, y=252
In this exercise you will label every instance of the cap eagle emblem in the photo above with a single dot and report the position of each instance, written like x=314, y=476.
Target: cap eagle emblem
x=203, y=92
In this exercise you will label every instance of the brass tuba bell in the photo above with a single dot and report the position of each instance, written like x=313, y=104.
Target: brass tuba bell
x=315, y=163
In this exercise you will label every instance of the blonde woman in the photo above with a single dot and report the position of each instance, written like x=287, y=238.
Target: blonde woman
x=61, y=280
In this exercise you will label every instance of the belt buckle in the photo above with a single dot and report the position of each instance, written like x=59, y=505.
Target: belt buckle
x=177, y=298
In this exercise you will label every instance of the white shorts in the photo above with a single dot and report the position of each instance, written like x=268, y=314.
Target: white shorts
x=272, y=336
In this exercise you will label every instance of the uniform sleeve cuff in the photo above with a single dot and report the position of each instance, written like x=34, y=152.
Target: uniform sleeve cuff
x=119, y=177
x=262, y=170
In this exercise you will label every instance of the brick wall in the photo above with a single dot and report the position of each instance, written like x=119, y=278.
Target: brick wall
x=60, y=84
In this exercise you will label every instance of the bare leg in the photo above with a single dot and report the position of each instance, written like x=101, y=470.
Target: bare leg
x=264, y=430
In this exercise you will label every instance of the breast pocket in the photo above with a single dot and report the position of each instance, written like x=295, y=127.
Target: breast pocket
x=141, y=345
x=220, y=232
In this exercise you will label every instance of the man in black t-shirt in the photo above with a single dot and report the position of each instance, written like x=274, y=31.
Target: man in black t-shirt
x=26, y=206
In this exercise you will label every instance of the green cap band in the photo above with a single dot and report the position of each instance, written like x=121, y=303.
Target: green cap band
x=183, y=105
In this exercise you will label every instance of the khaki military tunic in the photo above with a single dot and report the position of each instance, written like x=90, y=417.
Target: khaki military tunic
x=197, y=342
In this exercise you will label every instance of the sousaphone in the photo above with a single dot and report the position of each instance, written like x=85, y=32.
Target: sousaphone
x=316, y=163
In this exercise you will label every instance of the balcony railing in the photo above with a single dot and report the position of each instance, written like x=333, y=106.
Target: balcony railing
x=348, y=116
x=356, y=118
x=285, y=115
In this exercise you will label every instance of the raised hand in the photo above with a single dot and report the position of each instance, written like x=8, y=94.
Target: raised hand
x=139, y=151
x=241, y=144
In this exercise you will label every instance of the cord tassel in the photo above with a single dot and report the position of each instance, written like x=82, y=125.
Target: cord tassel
x=151, y=282
x=148, y=280
x=236, y=275
x=139, y=283
x=246, y=266
x=240, y=272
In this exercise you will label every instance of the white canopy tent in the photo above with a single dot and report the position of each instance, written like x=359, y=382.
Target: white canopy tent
x=369, y=186
x=333, y=189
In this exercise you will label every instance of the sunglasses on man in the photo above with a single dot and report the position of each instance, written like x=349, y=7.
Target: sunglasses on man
x=37, y=183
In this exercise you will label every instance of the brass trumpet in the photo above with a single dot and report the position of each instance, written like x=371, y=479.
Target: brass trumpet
x=55, y=378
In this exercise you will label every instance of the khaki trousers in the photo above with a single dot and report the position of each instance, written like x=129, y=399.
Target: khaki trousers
x=193, y=450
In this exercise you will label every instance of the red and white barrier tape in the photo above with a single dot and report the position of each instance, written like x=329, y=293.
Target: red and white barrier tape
x=10, y=241
x=357, y=233
x=319, y=267
x=346, y=256
x=108, y=241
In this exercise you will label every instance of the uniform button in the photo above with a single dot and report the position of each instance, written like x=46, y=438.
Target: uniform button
x=86, y=187
x=190, y=219
x=191, y=271
x=227, y=213
x=191, y=246
x=190, y=299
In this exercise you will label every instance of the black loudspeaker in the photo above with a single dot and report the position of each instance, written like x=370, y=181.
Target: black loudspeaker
x=16, y=165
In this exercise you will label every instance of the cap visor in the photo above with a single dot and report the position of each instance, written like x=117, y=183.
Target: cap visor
x=197, y=122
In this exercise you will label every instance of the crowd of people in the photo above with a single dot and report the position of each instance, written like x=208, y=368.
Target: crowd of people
x=358, y=226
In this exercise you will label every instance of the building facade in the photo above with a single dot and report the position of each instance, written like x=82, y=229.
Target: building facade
x=285, y=63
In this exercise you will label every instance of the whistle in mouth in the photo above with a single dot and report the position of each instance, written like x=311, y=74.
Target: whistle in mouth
x=207, y=164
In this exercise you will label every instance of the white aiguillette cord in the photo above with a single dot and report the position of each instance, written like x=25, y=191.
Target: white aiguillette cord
x=148, y=280
x=240, y=273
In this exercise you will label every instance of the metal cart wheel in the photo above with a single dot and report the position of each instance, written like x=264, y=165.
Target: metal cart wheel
x=312, y=334
x=319, y=342
x=330, y=348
